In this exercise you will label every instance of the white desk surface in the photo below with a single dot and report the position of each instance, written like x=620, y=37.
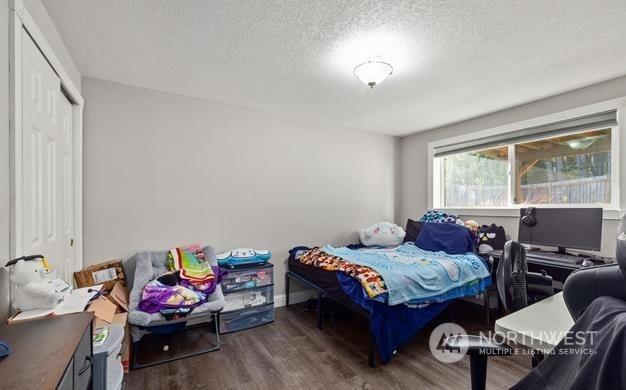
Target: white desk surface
x=539, y=326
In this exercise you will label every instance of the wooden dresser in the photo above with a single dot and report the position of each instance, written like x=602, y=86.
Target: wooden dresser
x=51, y=353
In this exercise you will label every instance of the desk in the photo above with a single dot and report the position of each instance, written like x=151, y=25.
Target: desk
x=48, y=353
x=558, y=271
x=540, y=326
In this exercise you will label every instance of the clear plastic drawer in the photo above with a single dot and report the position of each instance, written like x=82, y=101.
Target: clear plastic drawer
x=246, y=318
x=248, y=298
x=245, y=279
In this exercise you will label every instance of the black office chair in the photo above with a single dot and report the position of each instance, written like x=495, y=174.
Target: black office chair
x=516, y=287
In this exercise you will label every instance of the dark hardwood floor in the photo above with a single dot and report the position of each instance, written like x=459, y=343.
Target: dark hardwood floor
x=292, y=353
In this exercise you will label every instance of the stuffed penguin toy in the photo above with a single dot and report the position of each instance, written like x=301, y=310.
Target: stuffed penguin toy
x=491, y=237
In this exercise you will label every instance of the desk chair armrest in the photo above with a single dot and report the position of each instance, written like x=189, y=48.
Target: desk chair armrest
x=585, y=285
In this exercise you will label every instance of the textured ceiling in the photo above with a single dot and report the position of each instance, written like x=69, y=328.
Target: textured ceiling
x=453, y=59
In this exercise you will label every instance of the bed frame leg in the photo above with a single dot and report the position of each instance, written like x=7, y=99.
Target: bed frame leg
x=286, y=289
x=371, y=348
x=319, y=310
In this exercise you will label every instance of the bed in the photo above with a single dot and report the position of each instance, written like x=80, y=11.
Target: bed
x=389, y=326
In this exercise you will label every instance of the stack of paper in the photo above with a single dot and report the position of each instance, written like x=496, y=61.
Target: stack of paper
x=74, y=303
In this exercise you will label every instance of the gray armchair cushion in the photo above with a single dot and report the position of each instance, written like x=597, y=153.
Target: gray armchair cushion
x=147, y=266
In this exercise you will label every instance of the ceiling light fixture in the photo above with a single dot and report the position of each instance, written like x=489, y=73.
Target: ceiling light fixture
x=373, y=72
x=582, y=143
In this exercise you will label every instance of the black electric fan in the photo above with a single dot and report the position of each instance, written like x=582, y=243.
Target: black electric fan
x=512, y=277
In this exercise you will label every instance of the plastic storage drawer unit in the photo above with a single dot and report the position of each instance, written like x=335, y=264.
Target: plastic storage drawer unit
x=246, y=318
x=248, y=278
x=108, y=372
x=248, y=298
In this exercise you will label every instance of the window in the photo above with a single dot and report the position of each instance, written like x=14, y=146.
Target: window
x=571, y=169
x=565, y=163
x=476, y=179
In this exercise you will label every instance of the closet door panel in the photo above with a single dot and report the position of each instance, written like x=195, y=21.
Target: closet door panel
x=42, y=157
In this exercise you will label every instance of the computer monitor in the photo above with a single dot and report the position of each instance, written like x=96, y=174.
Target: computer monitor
x=576, y=228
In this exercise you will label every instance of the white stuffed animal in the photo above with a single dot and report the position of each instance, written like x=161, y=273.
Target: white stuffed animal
x=31, y=290
x=385, y=234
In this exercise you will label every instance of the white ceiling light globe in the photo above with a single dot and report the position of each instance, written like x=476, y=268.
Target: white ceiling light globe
x=373, y=72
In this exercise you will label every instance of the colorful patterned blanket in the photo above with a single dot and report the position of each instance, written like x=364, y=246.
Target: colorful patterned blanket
x=371, y=280
x=191, y=263
x=157, y=296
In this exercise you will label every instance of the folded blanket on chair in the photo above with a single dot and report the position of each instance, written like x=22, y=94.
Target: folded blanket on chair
x=206, y=287
x=190, y=263
x=158, y=296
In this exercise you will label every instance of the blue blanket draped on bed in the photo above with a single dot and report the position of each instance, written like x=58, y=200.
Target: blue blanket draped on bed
x=394, y=326
x=415, y=275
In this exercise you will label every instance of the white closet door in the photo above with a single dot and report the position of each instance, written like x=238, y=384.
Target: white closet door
x=44, y=168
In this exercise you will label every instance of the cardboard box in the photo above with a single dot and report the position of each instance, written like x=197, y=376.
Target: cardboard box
x=107, y=274
x=117, y=319
x=112, y=306
x=103, y=309
x=119, y=296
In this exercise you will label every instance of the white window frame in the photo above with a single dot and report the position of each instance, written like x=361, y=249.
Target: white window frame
x=614, y=210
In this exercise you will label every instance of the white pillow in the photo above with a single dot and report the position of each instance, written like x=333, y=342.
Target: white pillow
x=382, y=234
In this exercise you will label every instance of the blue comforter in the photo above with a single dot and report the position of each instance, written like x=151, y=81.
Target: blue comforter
x=391, y=326
x=413, y=275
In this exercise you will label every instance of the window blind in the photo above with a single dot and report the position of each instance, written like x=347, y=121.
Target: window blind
x=587, y=122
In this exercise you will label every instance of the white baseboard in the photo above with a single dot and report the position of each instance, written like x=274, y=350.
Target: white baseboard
x=296, y=297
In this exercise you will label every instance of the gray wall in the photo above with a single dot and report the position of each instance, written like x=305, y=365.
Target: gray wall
x=414, y=158
x=163, y=170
